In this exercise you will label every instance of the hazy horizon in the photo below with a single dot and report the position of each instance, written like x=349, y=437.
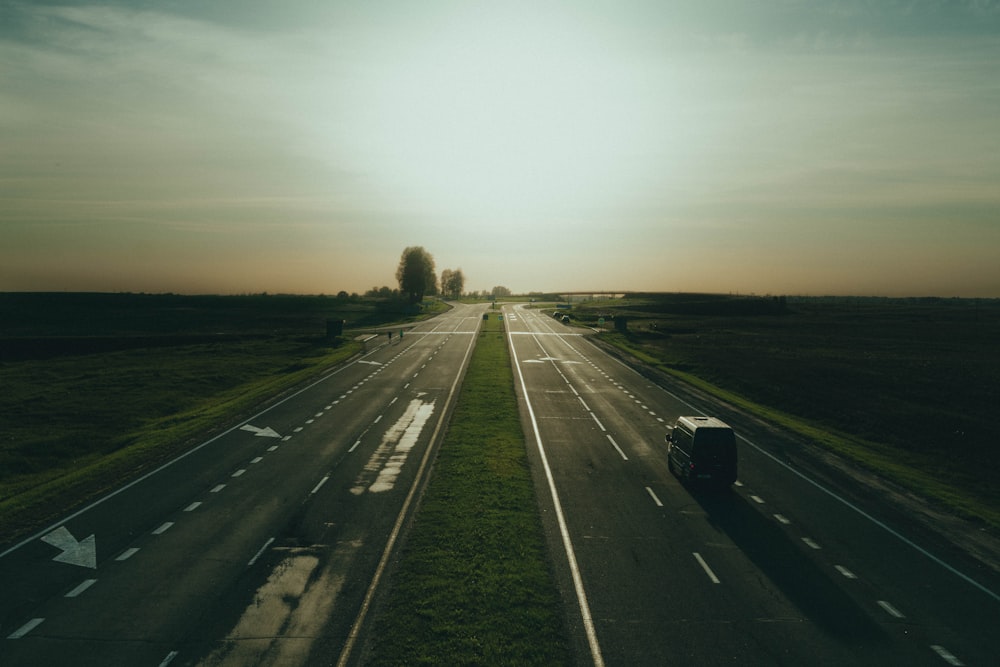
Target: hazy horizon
x=799, y=148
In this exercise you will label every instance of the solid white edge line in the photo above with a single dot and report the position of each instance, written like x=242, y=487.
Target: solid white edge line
x=352, y=636
x=49, y=529
x=704, y=566
x=581, y=595
x=902, y=538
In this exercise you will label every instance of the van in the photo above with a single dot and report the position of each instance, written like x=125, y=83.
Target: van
x=702, y=449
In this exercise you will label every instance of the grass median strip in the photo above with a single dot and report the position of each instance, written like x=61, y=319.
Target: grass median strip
x=474, y=584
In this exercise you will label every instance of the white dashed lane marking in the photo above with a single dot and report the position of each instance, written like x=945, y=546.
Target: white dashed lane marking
x=84, y=585
x=163, y=528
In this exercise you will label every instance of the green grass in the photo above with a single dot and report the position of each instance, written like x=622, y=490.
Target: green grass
x=99, y=388
x=907, y=388
x=474, y=585
x=74, y=427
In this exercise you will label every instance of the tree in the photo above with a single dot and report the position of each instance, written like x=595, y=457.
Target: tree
x=500, y=291
x=445, y=280
x=416, y=273
x=452, y=283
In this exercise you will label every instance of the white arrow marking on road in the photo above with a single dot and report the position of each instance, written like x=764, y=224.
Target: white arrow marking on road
x=82, y=553
x=371, y=363
x=266, y=432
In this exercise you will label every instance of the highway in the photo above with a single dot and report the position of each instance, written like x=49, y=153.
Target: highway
x=797, y=564
x=261, y=545
x=267, y=543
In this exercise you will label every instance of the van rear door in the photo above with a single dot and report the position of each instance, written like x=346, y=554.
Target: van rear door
x=714, y=455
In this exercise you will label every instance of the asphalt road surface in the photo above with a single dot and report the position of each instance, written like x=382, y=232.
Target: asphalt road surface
x=261, y=546
x=265, y=545
x=796, y=565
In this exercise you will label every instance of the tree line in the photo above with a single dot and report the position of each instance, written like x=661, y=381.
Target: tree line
x=417, y=278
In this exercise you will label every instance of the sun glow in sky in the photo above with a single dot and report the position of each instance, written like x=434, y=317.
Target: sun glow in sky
x=812, y=147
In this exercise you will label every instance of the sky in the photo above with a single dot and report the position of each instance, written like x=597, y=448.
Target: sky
x=794, y=147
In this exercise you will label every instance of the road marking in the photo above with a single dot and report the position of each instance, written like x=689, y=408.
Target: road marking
x=84, y=585
x=653, y=496
x=217, y=488
x=386, y=463
x=581, y=595
x=310, y=421
x=757, y=499
x=72, y=551
x=298, y=429
x=708, y=570
x=352, y=636
x=170, y=658
x=377, y=419
x=26, y=628
x=844, y=571
x=354, y=446
x=811, y=544
x=598, y=421
x=266, y=432
x=617, y=447
x=164, y=528
x=257, y=460
x=171, y=462
x=286, y=438
x=782, y=519
x=272, y=448
x=583, y=403
x=193, y=506
x=239, y=472
x=128, y=553
x=892, y=611
x=260, y=552
x=321, y=483
x=946, y=655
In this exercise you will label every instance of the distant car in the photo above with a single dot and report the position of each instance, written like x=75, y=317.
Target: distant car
x=702, y=449
x=564, y=319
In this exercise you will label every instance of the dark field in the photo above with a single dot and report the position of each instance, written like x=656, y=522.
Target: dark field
x=101, y=387
x=913, y=383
